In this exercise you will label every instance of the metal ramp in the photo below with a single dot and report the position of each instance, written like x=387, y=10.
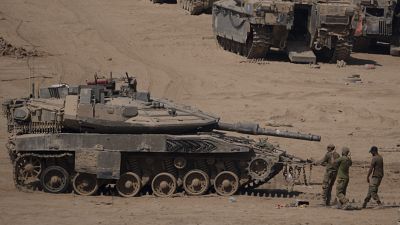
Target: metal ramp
x=299, y=52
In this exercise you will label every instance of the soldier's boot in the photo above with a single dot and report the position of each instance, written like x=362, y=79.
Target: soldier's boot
x=379, y=206
x=328, y=201
x=364, y=205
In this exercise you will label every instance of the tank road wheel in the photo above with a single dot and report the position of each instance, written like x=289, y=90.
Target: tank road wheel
x=196, y=182
x=164, y=185
x=259, y=168
x=26, y=172
x=129, y=184
x=226, y=183
x=55, y=179
x=85, y=184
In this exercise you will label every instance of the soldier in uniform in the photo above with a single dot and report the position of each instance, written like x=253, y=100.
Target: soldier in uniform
x=330, y=173
x=343, y=165
x=376, y=169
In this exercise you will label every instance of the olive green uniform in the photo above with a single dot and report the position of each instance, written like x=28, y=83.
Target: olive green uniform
x=343, y=164
x=329, y=176
x=377, y=175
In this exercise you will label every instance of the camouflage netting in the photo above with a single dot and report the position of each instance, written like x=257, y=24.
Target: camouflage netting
x=7, y=49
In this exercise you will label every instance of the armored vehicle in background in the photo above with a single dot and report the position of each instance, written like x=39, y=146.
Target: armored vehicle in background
x=378, y=21
x=196, y=7
x=303, y=29
x=108, y=133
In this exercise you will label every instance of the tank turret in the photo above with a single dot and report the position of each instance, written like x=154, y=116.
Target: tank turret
x=109, y=105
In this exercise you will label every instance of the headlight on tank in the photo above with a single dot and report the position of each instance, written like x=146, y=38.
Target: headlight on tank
x=22, y=114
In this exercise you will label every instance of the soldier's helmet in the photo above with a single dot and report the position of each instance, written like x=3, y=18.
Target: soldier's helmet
x=331, y=147
x=373, y=149
x=345, y=151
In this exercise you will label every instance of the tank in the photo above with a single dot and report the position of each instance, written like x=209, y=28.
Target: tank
x=304, y=30
x=106, y=133
x=378, y=21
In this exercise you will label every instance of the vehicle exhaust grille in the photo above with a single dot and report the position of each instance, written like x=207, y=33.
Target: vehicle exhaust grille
x=192, y=146
x=336, y=20
x=385, y=29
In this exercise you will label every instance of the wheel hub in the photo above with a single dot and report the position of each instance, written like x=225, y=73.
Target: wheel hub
x=28, y=167
x=54, y=180
x=164, y=185
x=128, y=184
x=195, y=182
x=226, y=184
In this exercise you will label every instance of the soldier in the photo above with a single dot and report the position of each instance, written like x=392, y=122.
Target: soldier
x=376, y=169
x=343, y=165
x=330, y=173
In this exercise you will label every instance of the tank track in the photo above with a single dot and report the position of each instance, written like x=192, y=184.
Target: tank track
x=260, y=43
x=188, y=6
x=16, y=177
x=342, y=51
x=256, y=47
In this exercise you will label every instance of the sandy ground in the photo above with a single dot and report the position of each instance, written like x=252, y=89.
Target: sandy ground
x=174, y=55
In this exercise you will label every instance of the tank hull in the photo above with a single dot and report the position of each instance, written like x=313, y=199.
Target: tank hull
x=108, y=158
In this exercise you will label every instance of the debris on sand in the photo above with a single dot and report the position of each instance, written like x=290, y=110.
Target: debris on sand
x=7, y=49
x=314, y=66
x=26, y=78
x=355, y=78
x=395, y=148
x=340, y=63
x=369, y=66
x=255, y=61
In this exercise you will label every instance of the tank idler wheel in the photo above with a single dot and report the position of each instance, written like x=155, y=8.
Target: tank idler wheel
x=26, y=172
x=164, y=185
x=55, y=179
x=196, y=182
x=226, y=183
x=129, y=184
x=259, y=168
x=85, y=184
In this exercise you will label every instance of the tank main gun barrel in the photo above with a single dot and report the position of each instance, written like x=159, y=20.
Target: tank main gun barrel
x=255, y=129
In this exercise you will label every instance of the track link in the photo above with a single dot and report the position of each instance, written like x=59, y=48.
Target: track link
x=342, y=51
x=257, y=45
x=189, y=6
x=260, y=43
x=16, y=175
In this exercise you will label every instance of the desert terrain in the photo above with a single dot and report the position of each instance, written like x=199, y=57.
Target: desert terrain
x=174, y=55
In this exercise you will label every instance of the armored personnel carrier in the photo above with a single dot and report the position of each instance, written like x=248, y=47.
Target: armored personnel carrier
x=378, y=21
x=303, y=29
x=108, y=133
